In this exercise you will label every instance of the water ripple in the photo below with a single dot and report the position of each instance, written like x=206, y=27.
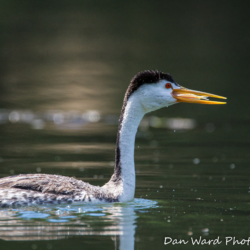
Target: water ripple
x=57, y=222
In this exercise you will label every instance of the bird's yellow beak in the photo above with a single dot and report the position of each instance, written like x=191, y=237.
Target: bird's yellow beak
x=193, y=96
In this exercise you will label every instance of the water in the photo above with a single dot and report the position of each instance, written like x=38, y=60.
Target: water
x=186, y=187
x=64, y=71
x=60, y=222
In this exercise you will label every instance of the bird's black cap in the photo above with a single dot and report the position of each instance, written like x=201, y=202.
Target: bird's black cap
x=148, y=77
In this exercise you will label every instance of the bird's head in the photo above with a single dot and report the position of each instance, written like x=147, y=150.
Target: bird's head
x=157, y=90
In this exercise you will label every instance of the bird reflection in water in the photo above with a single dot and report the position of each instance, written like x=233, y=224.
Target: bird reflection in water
x=55, y=223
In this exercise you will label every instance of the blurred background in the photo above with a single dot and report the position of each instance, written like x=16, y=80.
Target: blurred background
x=81, y=55
x=64, y=69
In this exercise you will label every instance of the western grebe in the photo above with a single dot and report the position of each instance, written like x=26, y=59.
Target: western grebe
x=147, y=91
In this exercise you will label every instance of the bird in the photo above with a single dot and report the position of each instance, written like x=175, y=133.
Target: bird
x=148, y=91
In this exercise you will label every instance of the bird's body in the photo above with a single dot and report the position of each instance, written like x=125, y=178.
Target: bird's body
x=148, y=91
x=41, y=189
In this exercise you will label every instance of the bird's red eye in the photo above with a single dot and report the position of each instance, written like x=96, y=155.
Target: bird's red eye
x=168, y=85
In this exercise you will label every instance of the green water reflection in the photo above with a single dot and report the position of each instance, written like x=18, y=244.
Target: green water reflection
x=64, y=70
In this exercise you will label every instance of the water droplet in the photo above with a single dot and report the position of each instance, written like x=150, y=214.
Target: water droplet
x=14, y=116
x=37, y=124
x=93, y=116
x=196, y=160
x=58, y=118
x=232, y=166
x=205, y=230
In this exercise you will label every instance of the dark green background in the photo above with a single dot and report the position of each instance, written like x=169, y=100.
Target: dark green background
x=81, y=55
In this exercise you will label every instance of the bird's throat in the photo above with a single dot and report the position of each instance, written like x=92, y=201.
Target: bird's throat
x=131, y=115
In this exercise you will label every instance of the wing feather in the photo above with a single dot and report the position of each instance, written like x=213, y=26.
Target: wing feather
x=45, y=183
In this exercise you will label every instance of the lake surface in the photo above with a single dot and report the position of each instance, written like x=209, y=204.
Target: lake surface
x=64, y=71
x=190, y=183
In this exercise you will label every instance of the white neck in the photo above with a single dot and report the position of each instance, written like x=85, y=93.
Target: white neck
x=132, y=116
